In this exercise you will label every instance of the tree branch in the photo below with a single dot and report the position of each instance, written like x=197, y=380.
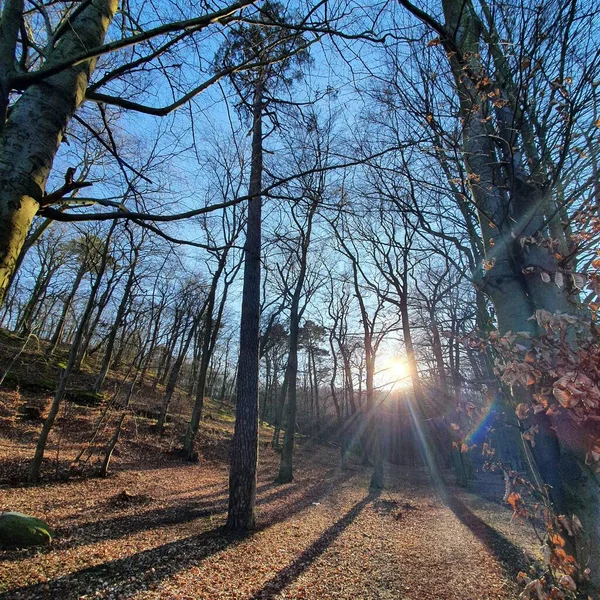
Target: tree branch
x=224, y=15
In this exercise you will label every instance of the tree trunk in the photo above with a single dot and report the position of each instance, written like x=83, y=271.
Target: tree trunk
x=286, y=466
x=244, y=451
x=117, y=324
x=34, y=129
x=511, y=205
x=286, y=473
x=280, y=408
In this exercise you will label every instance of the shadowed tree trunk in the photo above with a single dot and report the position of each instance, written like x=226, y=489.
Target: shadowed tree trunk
x=244, y=451
x=209, y=340
x=286, y=471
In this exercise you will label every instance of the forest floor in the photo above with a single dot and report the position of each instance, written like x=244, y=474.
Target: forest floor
x=322, y=536
x=154, y=528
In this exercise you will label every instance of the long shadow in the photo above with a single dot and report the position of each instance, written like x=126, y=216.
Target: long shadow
x=512, y=558
x=148, y=568
x=175, y=514
x=290, y=573
x=222, y=490
x=279, y=512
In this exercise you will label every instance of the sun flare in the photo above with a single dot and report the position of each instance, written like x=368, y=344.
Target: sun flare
x=399, y=373
x=395, y=374
x=398, y=368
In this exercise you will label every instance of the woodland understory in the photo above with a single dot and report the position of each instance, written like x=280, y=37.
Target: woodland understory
x=301, y=299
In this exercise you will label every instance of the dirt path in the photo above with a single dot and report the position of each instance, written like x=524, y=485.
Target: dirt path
x=320, y=537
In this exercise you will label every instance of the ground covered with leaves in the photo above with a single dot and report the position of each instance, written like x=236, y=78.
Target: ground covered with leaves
x=157, y=532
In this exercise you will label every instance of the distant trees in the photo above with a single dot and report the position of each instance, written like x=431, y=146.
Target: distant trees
x=74, y=357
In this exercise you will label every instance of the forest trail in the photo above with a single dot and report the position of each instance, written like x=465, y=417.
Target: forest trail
x=322, y=536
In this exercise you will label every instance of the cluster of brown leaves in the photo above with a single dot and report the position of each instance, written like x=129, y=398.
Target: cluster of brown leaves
x=561, y=367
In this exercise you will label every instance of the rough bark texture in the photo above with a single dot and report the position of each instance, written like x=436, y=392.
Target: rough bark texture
x=244, y=451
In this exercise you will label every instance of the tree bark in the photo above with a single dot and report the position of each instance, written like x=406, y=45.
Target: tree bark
x=34, y=129
x=244, y=453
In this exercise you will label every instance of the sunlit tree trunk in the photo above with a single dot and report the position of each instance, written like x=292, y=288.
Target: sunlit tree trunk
x=512, y=192
x=35, y=125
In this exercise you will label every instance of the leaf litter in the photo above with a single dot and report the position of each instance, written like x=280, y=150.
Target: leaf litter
x=156, y=533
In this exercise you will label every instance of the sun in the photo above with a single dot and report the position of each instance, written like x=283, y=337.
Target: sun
x=399, y=373
x=394, y=374
x=398, y=368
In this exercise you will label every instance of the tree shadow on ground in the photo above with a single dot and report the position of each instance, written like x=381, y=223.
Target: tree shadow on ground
x=290, y=573
x=177, y=513
x=512, y=558
x=121, y=578
x=124, y=577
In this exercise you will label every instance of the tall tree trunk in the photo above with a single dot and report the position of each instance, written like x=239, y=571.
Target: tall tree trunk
x=286, y=473
x=244, y=452
x=342, y=433
x=317, y=399
x=268, y=389
x=512, y=200
x=225, y=373
x=281, y=408
x=286, y=468
x=164, y=368
x=92, y=324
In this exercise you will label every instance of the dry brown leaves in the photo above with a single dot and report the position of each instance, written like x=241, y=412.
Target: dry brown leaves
x=321, y=537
